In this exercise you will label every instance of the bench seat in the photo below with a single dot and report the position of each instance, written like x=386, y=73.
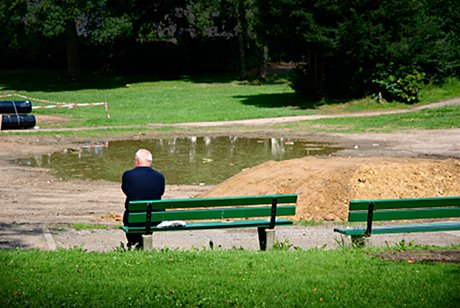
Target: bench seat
x=407, y=228
x=213, y=225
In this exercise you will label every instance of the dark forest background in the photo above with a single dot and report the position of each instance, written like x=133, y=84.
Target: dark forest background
x=340, y=48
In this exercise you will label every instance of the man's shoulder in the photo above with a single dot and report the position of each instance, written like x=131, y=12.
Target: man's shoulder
x=142, y=170
x=157, y=173
x=129, y=171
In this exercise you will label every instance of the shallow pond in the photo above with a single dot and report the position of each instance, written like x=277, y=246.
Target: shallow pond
x=192, y=160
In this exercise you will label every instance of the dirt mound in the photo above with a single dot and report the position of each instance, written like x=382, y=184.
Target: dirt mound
x=326, y=185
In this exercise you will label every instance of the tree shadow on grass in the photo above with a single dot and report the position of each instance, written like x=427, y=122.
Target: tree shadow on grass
x=275, y=100
x=55, y=80
x=280, y=100
x=52, y=81
x=209, y=78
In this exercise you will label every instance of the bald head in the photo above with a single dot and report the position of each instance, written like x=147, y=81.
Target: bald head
x=143, y=158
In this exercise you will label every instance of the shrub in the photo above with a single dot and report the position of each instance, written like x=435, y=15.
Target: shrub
x=402, y=86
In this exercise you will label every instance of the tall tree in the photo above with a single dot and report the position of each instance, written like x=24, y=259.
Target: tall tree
x=74, y=21
x=294, y=30
x=345, y=46
x=221, y=22
x=13, y=37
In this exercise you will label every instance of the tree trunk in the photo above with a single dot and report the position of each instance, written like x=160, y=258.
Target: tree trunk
x=241, y=20
x=73, y=52
x=316, y=69
x=262, y=72
x=242, y=52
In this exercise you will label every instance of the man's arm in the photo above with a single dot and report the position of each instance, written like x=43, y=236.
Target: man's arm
x=163, y=185
x=124, y=183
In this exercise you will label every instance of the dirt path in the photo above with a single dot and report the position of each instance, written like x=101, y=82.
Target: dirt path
x=36, y=206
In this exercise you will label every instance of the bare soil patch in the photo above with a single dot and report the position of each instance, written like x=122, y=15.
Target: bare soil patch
x=398, y=165
x=364, y=170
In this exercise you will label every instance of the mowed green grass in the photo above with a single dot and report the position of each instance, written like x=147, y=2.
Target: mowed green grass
x=139, y=100
x=436, y=118
x=231, y=278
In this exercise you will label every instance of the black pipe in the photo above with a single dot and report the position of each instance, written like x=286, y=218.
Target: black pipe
x=12, y=121
x=15, y=107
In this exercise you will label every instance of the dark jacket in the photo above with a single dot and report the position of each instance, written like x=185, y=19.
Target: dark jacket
x=142, y=183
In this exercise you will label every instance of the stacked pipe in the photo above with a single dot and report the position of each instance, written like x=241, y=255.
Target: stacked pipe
x=14, y=115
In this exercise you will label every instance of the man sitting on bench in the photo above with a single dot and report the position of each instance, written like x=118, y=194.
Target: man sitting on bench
x=141, y=183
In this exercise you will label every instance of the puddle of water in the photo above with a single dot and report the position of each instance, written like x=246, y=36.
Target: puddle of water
x=192, y=160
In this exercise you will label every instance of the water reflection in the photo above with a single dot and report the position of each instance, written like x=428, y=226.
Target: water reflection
x=190, y=160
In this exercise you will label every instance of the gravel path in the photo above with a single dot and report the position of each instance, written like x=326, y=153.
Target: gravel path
x=46, y=237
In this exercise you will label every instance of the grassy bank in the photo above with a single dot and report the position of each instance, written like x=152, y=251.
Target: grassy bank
x=140, y=100
x=444, y=117
x=223, y=279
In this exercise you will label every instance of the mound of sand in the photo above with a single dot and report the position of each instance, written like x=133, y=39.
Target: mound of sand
x=326, y=185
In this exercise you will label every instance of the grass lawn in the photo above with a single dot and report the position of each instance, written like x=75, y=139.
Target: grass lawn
x=135, y=100
x=138, y=100
x=234, y=278
x=444, y=117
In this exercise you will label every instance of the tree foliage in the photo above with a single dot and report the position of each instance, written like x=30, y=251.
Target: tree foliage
x=365, y=37
x=75, y=22
x=343, y=48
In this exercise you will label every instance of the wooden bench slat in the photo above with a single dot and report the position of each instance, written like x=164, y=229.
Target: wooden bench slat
x=212, y=202
x=213, y=225
x=218, y=213
x=357, y=205
x=408, y=228
x=406, y=214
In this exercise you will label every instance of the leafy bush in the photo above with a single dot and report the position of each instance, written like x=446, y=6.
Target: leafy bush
x=403, y=86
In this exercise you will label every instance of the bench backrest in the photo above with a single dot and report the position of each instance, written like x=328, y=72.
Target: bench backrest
x=212, y=208
x=397, y=209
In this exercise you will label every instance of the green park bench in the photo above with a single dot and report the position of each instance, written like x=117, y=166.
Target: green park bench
x=212, y=213
x=432, y=209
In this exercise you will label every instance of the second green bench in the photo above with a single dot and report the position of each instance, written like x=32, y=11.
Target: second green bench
x=401, y=209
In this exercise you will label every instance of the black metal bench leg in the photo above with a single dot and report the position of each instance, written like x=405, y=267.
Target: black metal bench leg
x=266, y=238
x=262, y=238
